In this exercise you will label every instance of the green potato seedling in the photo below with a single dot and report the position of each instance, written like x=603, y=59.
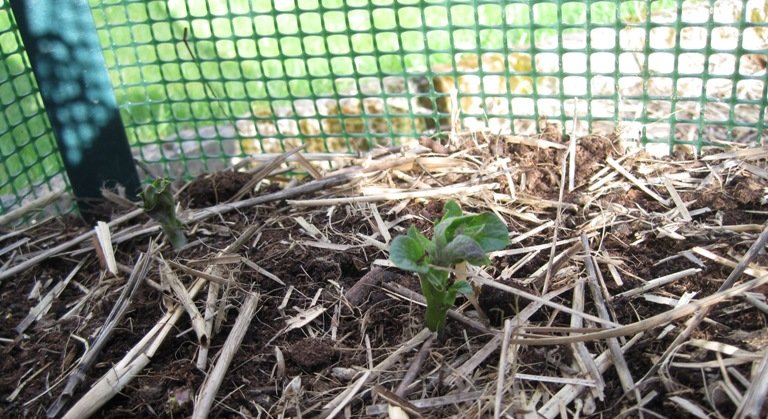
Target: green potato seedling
x=458, y=238
x=161, y=207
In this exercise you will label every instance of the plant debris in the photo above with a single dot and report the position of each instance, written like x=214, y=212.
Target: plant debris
x=631, y=285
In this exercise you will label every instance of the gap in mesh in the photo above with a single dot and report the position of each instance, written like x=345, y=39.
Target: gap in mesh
x=662, y=13
x=547, y=85
x=662, y=37
x=469, y=84
x=661, y=62
x=695, y=11
x=687, y=132
x=724, y=38
x=602, y=85
x=500, y=125
x=749, y=89
x=518, y=38
x=754, y=38
x=657, y=131
x=727, y=11
x=744, y=135
x=494, y=84
x=632, y=39
x=362, y=43
x=545, y=38
x=633, y=12
x=631, y=62
x=722, y=64
x=354, y=125
x=369, y=86
x=747, y=113
x=658, y=110
x=714, y=111
x=689, y=87
x=492, y=62
x=397, y=106
x=574, y=85
x=603, y=38
x=304, y=107
x=522, y=106
x=440, y=62
x=524, y=126
x=687, y=110
x=606, y=128
x=366, y=65
x=602, y=63
x=359, y=20
x=547, y=62
x=346, y=86
x=631, y=109
x=377, y=125
x=438, y=40
x=464, y=39
x=580, y=128
x=287, y=127
x=310, y=127
x=603, y=108
x=693, y=37
x=575, y=63
x=579, y=107
x=574, y=39
x=660, y=86
x=752, y=64
x=548, y=107
x=497, y=106
x=719, y=88
x=394, y=85
x=467, y=62
x=690, y=63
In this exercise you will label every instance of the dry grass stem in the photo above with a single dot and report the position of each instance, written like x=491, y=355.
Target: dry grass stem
x=612, y=252
x=213, y=380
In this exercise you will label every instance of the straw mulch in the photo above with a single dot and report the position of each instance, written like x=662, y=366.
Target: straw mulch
x=633, y=286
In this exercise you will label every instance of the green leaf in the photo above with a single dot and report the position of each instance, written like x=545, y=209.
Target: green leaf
x=408, y=254
x=462, y=248
x=462, y=287
x=451, y=209
x=425, y=243
x=488, y=231
x=437, y=279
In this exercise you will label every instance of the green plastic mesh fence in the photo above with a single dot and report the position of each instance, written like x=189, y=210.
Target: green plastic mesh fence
x=201, y=83
x=30, y=165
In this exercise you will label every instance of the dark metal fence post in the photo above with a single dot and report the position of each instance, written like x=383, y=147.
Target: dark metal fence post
x=64, y=51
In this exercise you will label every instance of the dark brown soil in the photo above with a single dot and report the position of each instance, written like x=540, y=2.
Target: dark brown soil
x=214, y=188
x=34, y=362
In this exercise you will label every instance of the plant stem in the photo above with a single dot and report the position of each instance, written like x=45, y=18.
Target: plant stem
x=436, y=311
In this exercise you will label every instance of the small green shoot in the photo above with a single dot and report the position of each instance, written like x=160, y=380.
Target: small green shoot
x=160, y=205
x=458, y=238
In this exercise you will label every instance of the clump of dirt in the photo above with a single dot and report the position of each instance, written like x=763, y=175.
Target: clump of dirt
x=542, y=167
x=311, y=353
x=739, y=192
x=591, y=153
x=214, y=188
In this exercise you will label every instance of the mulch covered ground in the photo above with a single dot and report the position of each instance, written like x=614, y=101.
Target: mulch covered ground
x=632, y=286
